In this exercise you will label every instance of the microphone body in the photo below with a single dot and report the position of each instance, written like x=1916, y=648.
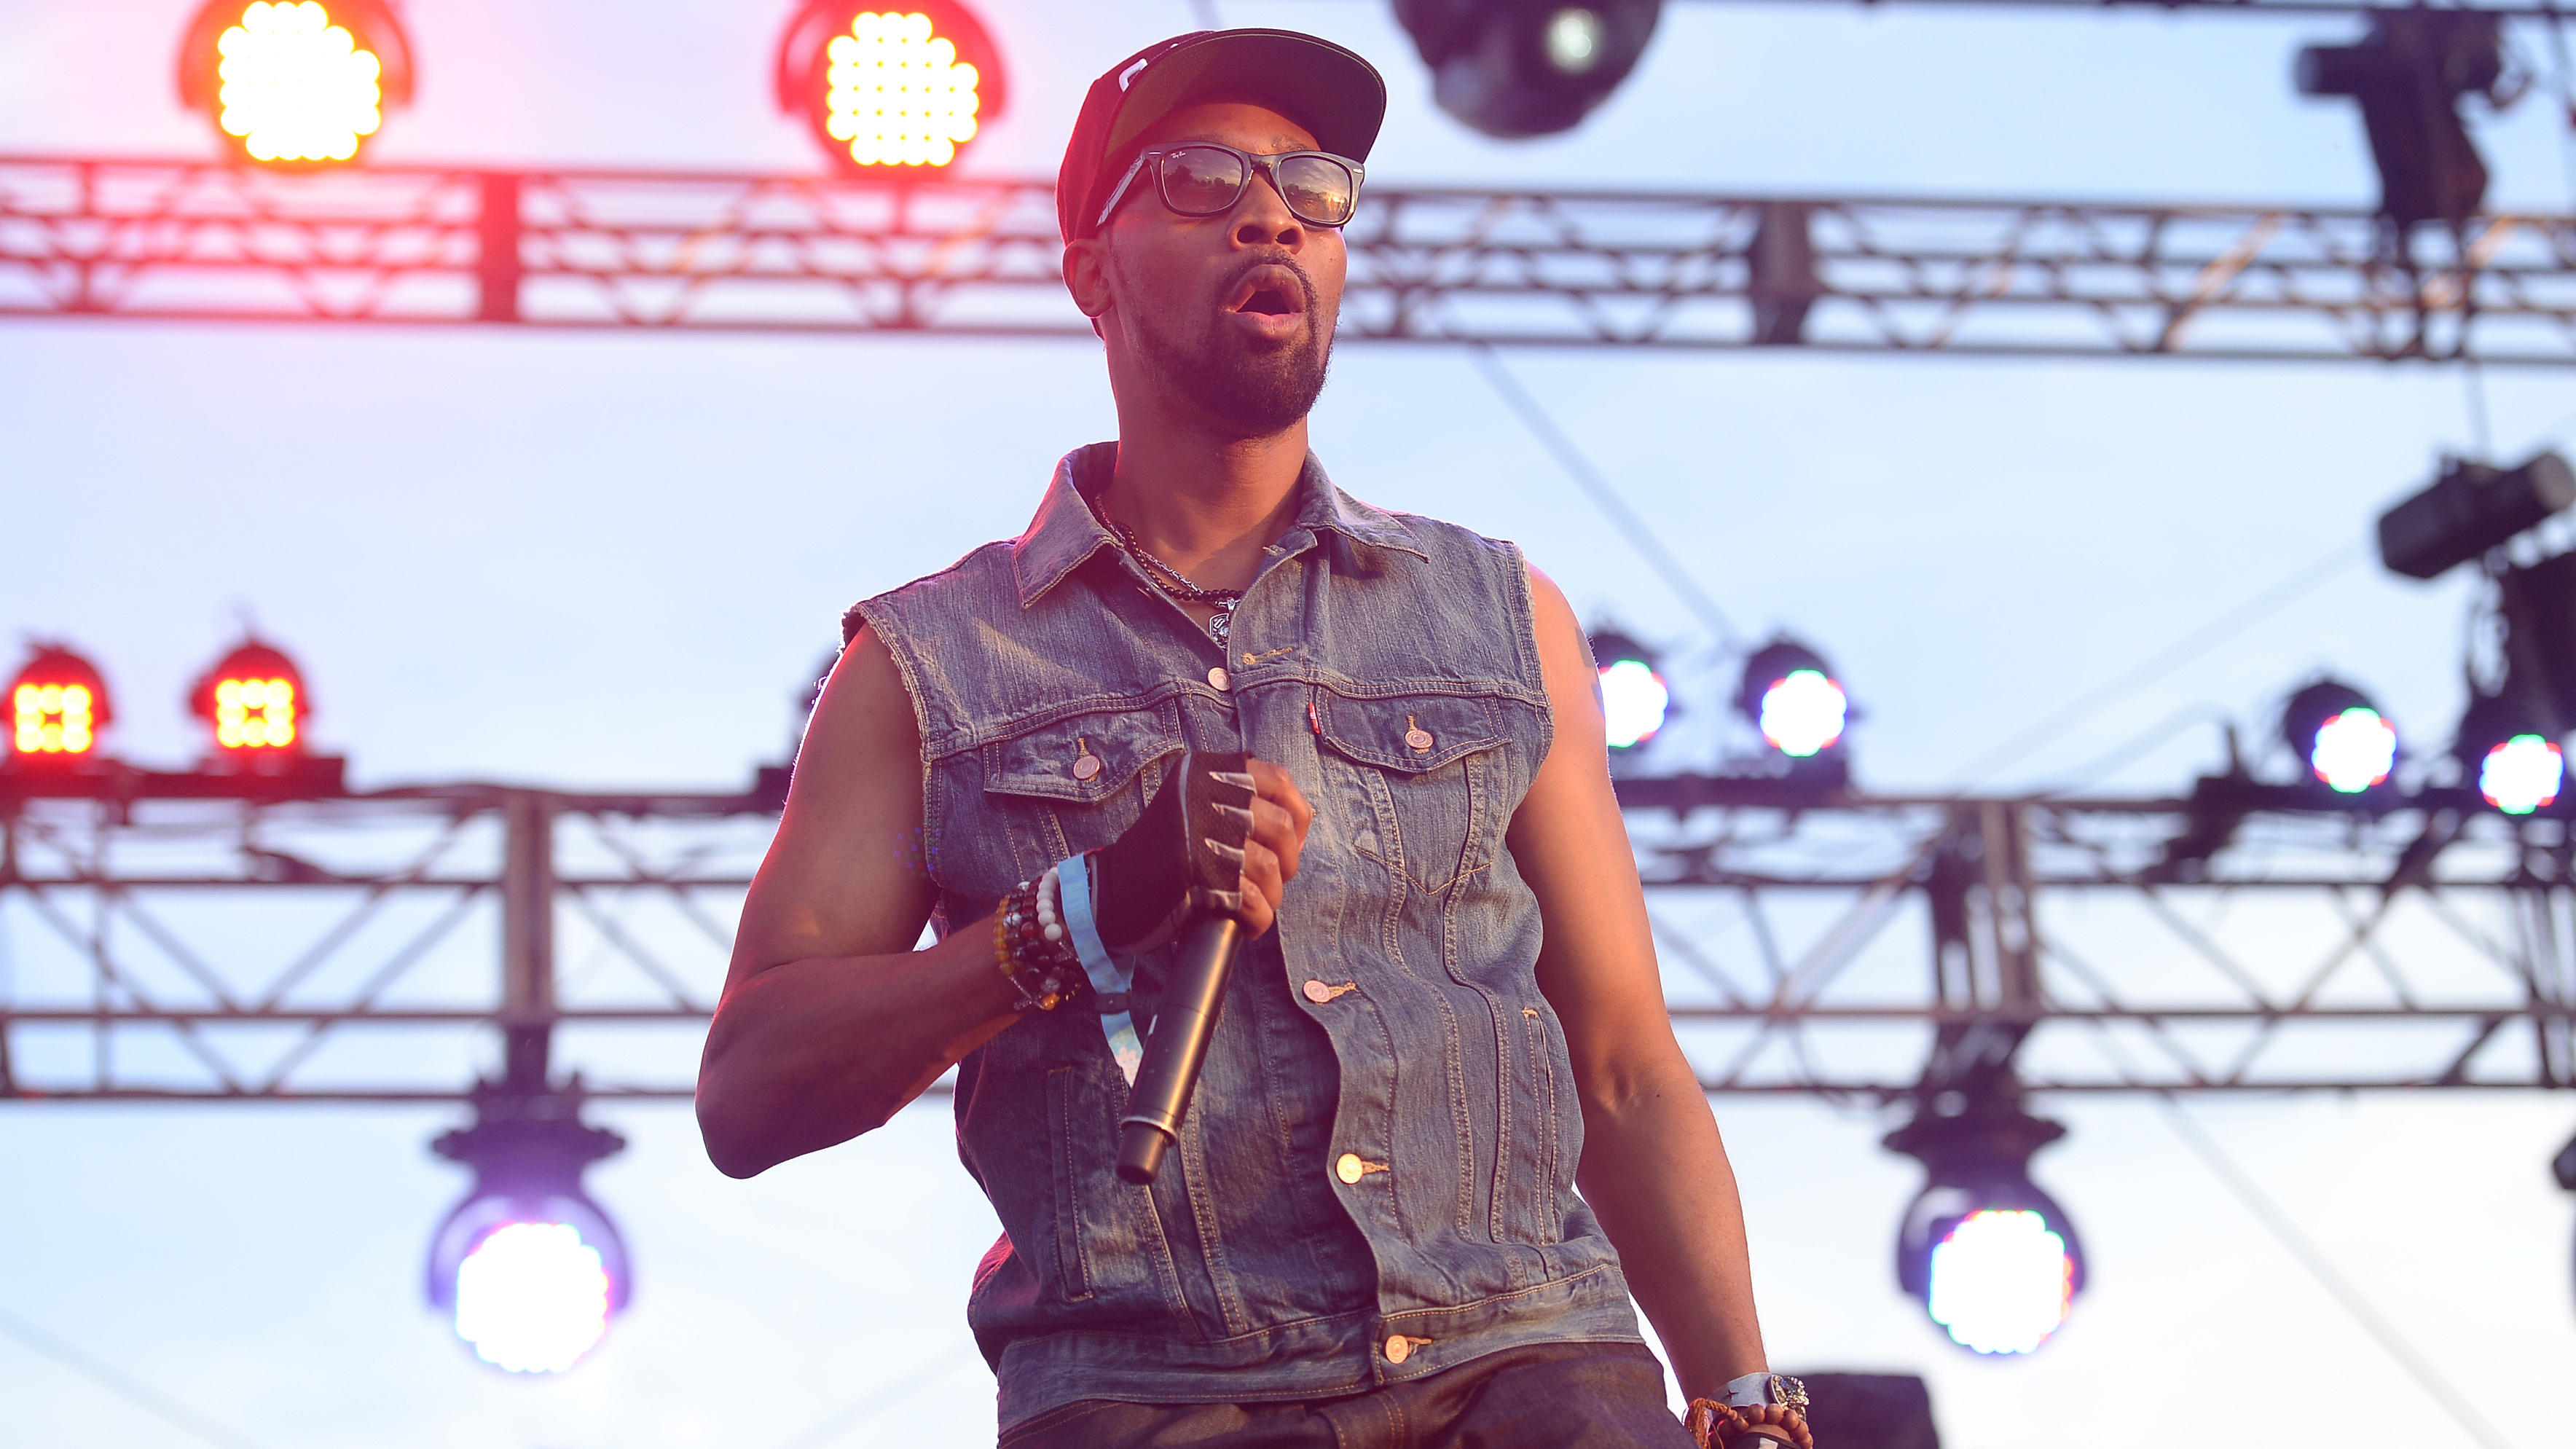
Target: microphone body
x=1177, y=1048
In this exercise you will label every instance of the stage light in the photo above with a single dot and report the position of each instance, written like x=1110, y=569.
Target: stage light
x=532, y=1297
x=2409, y=74
x=529, y=1270
x=2563, y=1166
x=2522, y=774
x=1573, y=40
x=1634, y=696
x=907, y=86
x=57, y=705
x=295, y=84
x=1517, y=68
x=1791, y=696
x=255, y=705
x=2508, y=744
x=2537, y=605
x=2470, y=509
x=1999, y=1280
x=1993, y=1259
x=2341, y=737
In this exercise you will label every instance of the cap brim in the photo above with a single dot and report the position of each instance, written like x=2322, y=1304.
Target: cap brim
x=1338, y=97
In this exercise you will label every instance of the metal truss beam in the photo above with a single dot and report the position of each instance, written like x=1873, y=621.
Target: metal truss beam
x=407, y=946
x=162, y=942
x=2404, y=944
x=693, y=252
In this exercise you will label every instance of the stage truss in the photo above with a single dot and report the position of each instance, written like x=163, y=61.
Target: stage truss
x=692, y=252
x=381, y=947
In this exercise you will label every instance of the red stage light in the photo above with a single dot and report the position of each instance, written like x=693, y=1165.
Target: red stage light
x=58, y=705
x=295, y=84
x=908, y=85
x=255, y=702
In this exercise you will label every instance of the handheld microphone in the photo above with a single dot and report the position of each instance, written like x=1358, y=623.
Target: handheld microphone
x=1177, y=1048
x=1213, y=803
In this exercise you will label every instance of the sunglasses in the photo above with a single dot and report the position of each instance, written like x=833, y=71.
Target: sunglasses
x=1202, y=178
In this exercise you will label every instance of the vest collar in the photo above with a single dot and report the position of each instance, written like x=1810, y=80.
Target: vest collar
x=1066, y=533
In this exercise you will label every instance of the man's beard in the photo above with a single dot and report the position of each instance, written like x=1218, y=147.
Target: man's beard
x=1252, y=393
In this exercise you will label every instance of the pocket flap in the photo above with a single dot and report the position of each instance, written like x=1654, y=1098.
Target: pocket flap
x=1410, y=734
x=1050, y=761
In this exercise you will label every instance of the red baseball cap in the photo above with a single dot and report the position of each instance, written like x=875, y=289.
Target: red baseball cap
x=1329, y=90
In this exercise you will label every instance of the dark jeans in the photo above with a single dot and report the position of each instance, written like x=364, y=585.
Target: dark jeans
x=1549, y=1396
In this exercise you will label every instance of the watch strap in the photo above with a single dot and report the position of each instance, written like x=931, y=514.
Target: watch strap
x=1756, y=1389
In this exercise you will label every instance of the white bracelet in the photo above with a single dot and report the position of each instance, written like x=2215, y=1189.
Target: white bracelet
x=1052, y=926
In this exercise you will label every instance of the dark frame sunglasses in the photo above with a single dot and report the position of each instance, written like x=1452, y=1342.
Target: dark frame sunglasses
x=1310, y=182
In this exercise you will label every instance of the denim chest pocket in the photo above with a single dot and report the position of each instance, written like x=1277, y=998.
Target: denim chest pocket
x=1426, y=781
x=1073, y=784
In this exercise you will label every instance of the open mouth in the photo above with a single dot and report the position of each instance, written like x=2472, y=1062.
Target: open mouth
x=1268, y=291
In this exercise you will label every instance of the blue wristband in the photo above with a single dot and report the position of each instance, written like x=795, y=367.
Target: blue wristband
x=1109, y=981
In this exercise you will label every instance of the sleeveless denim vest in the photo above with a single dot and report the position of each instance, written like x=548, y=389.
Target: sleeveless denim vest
x=1376, y=1177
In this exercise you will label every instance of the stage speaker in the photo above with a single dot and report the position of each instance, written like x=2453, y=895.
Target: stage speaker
x=1870, y=1411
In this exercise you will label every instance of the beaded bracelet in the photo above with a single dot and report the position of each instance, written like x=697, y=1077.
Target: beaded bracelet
x=1713, y=1425
x=1034, y=949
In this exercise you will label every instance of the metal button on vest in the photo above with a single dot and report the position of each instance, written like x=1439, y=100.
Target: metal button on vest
x=1349, y=1167
x=1217, y=679
x=1317, y=992
x=1086, y=766
x=1398, y=1348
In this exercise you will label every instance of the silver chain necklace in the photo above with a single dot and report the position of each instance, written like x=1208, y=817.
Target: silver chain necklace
x=1179, y=585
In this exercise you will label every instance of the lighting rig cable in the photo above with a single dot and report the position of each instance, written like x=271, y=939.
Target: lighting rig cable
x=2481, y=430
x=2286, y=1231
x=122, y=1385
x=2190, y=647
x=2136, y=747
x=2322, y=1268
x=1535, y=417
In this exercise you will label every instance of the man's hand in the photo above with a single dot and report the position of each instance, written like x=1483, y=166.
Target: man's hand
x=1221, y=832
x=1280, y=816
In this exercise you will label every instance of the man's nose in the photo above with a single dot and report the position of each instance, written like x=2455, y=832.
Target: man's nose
x=1262, y=218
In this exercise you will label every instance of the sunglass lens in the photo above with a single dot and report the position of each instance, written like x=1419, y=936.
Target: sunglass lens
x=1201, y=180
x=1318, y=189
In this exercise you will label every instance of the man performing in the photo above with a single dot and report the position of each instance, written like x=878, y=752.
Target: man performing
x=1446, y=1012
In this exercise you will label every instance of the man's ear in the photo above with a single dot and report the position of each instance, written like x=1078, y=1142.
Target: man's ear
x=1086, y=276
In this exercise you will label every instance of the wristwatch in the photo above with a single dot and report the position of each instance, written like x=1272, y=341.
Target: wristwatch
x=1754, y=1390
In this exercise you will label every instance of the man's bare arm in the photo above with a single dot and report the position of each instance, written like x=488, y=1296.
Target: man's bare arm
x=830, y=1021
x=1653, y=1166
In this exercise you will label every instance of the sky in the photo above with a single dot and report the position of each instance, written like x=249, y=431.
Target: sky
x=628, y=550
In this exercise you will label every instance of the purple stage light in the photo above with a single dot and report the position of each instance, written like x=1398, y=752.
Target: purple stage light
x=528, y=1269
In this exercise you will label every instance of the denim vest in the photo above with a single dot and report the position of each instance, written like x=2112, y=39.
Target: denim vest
x=1376, y=1177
